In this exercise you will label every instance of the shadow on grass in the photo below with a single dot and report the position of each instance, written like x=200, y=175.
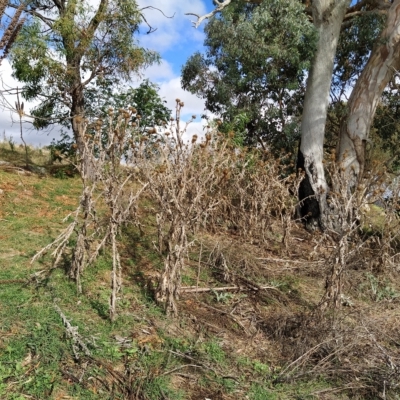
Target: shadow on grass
x=101, y=308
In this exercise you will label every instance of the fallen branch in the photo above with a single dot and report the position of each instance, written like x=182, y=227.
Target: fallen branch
x=180, y=367
x=72, y=332
x=10, y=281
x=283, y=260
x=33, y=277
x=195, y=289
x=229, y=315
x=187, y=357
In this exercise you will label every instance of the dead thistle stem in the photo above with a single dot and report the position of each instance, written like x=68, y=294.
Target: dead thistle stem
x=342, y=227
x=102, y=176
x=78, y=343
x=184, y=185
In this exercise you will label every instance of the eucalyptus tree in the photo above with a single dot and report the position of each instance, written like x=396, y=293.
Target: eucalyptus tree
x=329, y=18
x=383, y=63
x=253, y=71
x=68, y=46
x=105, y=99
x=11, y=25
x=151, y=110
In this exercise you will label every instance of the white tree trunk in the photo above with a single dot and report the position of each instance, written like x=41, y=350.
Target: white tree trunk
x=328, y=16
x=382, y=64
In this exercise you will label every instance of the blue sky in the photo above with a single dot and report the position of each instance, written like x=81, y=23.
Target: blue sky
x=175, y=39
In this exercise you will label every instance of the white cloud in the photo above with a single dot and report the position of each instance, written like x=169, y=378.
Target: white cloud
x=172, y=90
x=195, y=128
x=9, y=119
x=159, y=72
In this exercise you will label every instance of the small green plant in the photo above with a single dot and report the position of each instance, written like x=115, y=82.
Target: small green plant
x=260, y=367
x=223, y=297
x=228, y=384
x=380, y=290
x=187, y=280
x=113, y=351
x=214, y=352
x=158, y=388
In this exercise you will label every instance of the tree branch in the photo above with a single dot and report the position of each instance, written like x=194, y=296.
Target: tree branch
x=366, y=5
x=33, y=11
x=358, y=13
x=358, y=6
x=219, y=8
x=348, y=19
x=151, y=29
x=93, y=25
x=155, y=8
x=48, y=21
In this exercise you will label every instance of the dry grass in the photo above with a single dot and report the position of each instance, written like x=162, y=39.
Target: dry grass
x=15, y=154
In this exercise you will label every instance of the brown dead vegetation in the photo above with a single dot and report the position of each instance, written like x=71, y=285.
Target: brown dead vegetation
x=311, y=305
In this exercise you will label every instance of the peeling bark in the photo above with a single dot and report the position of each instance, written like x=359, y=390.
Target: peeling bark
x=382, y=64
x=328, y=16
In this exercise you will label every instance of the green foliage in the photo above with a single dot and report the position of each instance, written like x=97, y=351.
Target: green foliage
x=58, y=59
x=252, y=74
x=258, y=392
x=214, y=352
x=385, y=132
x=151, y=110
x=260, y=367
x=11, y=143
x=353, y=51
x=223, y=297
x=380, y=289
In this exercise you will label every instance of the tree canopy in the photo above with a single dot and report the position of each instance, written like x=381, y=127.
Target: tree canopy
x=67, y=46
x=357, y=45
x=253, y=72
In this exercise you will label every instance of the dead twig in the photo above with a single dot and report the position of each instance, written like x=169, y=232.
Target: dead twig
x=181, y=367
x=195, y=289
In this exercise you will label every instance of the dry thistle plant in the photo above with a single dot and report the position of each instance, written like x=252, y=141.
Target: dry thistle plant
x=106, y=183
x=358, y=355
x=342, y=225
x=258, y=198
x=345, y=224
x=184, y=182
x=354, y=346
x=208, y=184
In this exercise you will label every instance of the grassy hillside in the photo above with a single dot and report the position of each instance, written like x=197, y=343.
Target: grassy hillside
x=247, y=326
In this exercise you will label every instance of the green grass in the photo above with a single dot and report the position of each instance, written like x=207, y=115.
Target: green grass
x=258, y=392
x=36, y=353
